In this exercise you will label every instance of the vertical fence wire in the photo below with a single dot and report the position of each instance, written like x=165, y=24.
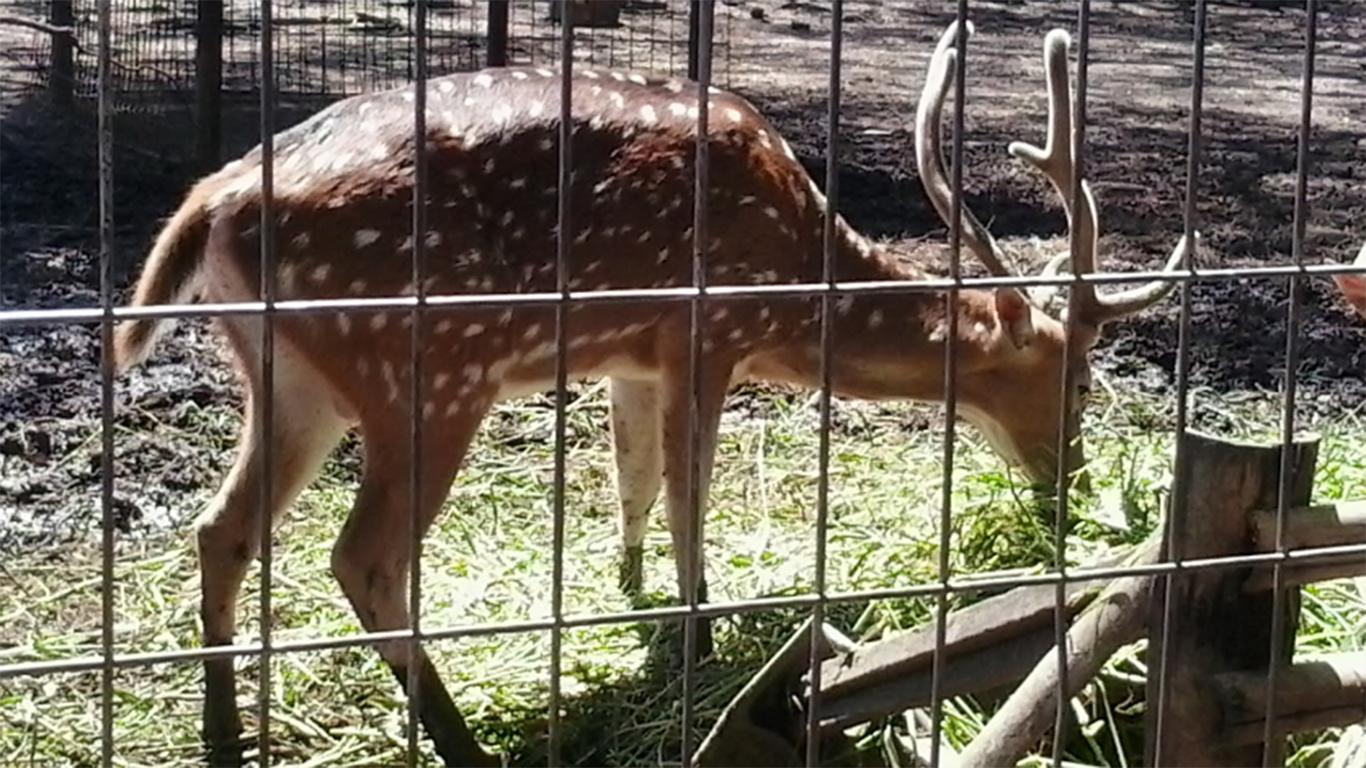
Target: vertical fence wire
x=106, y=195
x=266, y=402
x=1273, y=742
x=1176, y=507
x=951, y=300
x=563, y=242
x=416, y=404
x=827, y=342
x=696, y=504
x=1066, y=395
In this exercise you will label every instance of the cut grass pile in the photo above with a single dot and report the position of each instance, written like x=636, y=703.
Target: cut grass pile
x=489, y=560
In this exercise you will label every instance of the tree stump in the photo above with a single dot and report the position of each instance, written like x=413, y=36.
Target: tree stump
x=1216, y=626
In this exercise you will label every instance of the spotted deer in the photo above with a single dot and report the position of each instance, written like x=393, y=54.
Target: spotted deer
x=1353, y=286
x=343, y=189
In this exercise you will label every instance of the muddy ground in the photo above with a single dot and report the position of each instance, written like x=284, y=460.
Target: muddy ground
x=175, y=417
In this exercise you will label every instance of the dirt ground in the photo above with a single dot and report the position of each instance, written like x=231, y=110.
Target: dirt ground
x=1138, y=109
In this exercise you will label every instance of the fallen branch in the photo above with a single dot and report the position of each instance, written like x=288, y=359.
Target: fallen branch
x=1117, y=617
x=37, y=26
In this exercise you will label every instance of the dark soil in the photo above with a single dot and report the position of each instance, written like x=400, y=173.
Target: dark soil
x=176, y=417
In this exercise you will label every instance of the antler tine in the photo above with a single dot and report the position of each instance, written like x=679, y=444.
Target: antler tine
x=929, y=155
x=1057, y=163
x=1055, y=159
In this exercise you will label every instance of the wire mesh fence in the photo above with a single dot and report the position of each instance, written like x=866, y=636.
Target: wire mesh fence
x=332, y=48
x=761, y=281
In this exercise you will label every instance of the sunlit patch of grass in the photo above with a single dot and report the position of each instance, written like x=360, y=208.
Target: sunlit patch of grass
x=488, y=560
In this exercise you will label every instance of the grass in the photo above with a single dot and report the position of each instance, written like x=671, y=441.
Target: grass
x=489, y=560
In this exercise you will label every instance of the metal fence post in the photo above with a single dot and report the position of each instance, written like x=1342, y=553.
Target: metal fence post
x=208, y=84
x=62, y=74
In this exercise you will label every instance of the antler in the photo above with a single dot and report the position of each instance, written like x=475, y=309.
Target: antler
x=1056, y=163
x=929, y=157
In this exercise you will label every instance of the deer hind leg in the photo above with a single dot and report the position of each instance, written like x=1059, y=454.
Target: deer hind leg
x=676, y=408
x=228, y=532
x=640, y=465
x=371, y=557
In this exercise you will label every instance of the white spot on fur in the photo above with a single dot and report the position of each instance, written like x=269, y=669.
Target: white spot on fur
x=474, y=373
x=300, y=240
x=344, y=324
x=366, y=237
x=519, y=75
x=320, y=273
x=678, y=109
x=452, y=409
x=473, y=329
x=648, y=114
x=875, y=318
x=483, y=80
x=378, y=321
x=734, y=115
x=637, y=79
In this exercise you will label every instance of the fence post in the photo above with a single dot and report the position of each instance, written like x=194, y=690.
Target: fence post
x=498, y=33
x=693, y=27
x=1217, y=627
x=208, y=84
x=62, y=73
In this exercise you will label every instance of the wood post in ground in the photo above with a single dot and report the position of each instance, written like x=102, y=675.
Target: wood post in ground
x=208, y=85
x=498, y=33
x=1216, y=627
x=61, y=82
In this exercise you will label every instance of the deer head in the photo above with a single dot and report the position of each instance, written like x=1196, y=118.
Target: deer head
x=1018, y=402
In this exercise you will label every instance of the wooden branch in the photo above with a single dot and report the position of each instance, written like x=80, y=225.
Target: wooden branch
x=36, y=26
x=1337, y=680
x=985, y=624
x=1322, y=525
x=1116, y=618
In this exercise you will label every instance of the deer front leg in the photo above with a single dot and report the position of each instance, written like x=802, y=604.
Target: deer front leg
x=371, y=561
x=684, y=525
x=640, y=465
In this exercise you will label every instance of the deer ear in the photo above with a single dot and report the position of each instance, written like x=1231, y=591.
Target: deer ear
x=1353, y=288
x=1013, y=312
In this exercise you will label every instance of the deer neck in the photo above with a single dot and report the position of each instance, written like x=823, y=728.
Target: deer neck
x=886, y=346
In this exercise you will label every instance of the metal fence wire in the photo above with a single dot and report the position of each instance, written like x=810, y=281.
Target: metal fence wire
x=432, y=37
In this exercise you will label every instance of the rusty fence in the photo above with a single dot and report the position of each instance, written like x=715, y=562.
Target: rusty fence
x=828, y=291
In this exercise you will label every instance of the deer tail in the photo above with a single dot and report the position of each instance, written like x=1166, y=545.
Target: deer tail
x=167, y=278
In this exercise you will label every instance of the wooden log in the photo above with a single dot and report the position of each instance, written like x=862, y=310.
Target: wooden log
x=1115, y=618
x=1321, y=525
x=982, y=625
x=1307, y=569
x=1251, y=733
x=208, y=85
x=1216, y=627
x=1005, y=662
x=1337, y=680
